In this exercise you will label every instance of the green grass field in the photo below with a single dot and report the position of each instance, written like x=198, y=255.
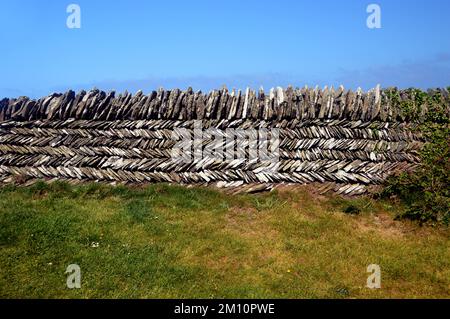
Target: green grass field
x=165, y=241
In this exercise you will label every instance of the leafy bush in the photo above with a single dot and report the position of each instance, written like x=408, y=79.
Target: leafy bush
x=426, y=190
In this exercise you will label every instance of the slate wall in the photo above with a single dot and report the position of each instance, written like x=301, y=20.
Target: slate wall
x=345, y=138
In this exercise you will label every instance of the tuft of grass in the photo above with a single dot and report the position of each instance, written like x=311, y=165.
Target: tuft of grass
x=352, y=209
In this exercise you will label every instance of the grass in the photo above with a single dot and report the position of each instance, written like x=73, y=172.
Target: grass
x=165, y=241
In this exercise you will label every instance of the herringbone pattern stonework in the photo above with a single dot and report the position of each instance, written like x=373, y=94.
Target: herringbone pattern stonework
x=342, y=139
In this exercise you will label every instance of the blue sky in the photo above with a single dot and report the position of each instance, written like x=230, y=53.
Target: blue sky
x=205, y=44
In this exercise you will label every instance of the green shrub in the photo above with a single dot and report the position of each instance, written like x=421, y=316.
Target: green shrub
x=425, y=191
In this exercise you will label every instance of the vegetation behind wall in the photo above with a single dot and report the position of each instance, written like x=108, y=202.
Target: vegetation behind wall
x=426, y=190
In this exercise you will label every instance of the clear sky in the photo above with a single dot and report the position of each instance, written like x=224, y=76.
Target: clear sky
x=205, y=44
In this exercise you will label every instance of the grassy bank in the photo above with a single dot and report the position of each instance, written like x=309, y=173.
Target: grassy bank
x=166, y=241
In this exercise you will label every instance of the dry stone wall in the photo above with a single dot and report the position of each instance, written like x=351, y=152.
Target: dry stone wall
x=341, y=138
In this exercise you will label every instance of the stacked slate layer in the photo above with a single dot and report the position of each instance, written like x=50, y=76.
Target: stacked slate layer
x=348, y=139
